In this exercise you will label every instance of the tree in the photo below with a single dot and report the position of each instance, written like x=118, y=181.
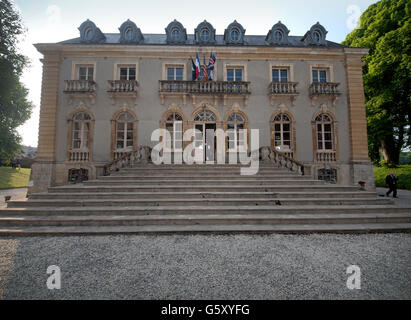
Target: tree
x=385, y=28
x=15, y=109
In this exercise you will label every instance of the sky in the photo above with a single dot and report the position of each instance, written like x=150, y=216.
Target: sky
x=49, y=21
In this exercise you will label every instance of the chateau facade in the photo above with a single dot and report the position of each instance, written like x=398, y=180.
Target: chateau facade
x=104, y=94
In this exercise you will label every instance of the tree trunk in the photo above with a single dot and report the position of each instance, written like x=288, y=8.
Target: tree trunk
x=390, y=153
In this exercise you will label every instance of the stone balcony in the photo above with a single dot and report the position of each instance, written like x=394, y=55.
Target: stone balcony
x=79, y=155
x=326, y=156
x=324, y=89
x=122, y=89
x=80, y=89
x=222, y=89
x=283, y=89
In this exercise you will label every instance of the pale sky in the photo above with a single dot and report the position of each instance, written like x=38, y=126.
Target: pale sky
x=58, y=20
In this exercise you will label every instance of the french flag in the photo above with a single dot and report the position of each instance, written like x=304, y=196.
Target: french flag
x=198, y=66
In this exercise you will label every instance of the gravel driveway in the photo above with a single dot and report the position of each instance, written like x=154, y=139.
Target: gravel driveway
x=207, y=266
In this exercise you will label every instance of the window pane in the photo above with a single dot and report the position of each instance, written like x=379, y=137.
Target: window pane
x=132, y=74
x=328, y=145
x=276, y=77
x=170, y=74
x=179, y=73
x=82, y=73
x=120, y=144
x=120, y=126
x=129, y=143
x=283, y=75
x=315, y=76
x=286, y=127
x=327, y=127
x=238, y=75
x=286, y=136
x=123, y=74
x=230, y=74
x=327, y=136
x=323, y=76
x=277, y=127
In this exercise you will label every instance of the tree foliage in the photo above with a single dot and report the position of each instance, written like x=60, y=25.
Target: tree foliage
x=15, y=109
x=385, y=28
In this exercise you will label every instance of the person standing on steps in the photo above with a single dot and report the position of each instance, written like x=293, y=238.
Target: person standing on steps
x=391, y=181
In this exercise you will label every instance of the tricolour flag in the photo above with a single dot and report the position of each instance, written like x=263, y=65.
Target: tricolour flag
x=198, y=66
x=193, y=70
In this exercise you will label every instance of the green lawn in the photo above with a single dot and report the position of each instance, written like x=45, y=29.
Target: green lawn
x=14, y=178
x=402, y=172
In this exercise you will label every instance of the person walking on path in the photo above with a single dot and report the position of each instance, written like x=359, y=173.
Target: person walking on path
x=391, y=181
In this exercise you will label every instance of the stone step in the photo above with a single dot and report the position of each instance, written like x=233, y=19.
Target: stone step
x=211, y=204
x=204, y=177
x=201, y=188
x=228, y=182
x=200, y=195
x=195, y=219
x=216, y=229
x=123, y=210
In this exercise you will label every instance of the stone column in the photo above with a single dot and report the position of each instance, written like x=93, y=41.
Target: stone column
x=361, y=166
x=42, y=173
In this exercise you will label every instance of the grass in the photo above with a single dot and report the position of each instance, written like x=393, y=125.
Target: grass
x=14, y=178
x=403, y=173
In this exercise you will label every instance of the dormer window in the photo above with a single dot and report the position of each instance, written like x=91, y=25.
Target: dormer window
x=235, y=35
x=278, y=36
x=317, y=36
x=88, y=34
x=128, y=34
x=175, y=34
x=204, y=35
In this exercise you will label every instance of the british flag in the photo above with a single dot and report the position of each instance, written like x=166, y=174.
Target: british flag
x=210, y=66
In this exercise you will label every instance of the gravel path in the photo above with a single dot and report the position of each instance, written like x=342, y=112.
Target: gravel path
x=207, y=266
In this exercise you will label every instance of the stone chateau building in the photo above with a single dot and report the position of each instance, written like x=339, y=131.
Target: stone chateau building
x=103, y=94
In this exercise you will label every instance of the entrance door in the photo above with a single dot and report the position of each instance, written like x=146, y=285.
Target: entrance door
x=205, y=146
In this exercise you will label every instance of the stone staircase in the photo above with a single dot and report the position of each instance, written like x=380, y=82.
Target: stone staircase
x=146, y=198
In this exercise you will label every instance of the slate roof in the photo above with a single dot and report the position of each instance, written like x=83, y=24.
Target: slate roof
x=250, y=41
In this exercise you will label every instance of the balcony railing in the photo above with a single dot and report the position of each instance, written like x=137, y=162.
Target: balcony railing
x=204, y=87
x=74, y=86
x=324, y=88
x=283, y=88
x=326, y=156
x=79, y=156
x=122, y=86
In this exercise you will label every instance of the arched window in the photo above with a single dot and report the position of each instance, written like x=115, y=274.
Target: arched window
x=205, y=116
x=124, y=131
x=81, y=131
x=174, y=125
x=324, y=127
x=282, y=137
x=175, y=34
x=235, y=35
x=278, y=36
x=235, y=122
x=204, y=35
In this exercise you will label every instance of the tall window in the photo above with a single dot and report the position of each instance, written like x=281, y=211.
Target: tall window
x=278, y=35
x=86, y=73
x=174, y=73
x=127, y=73
x=235, y=74
x=174, y=125
x=319, y=75
x=279, y=75
x=124, y=131
x=282, y=132
x=81, y=130
x=324, y=127
x=235, y=122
